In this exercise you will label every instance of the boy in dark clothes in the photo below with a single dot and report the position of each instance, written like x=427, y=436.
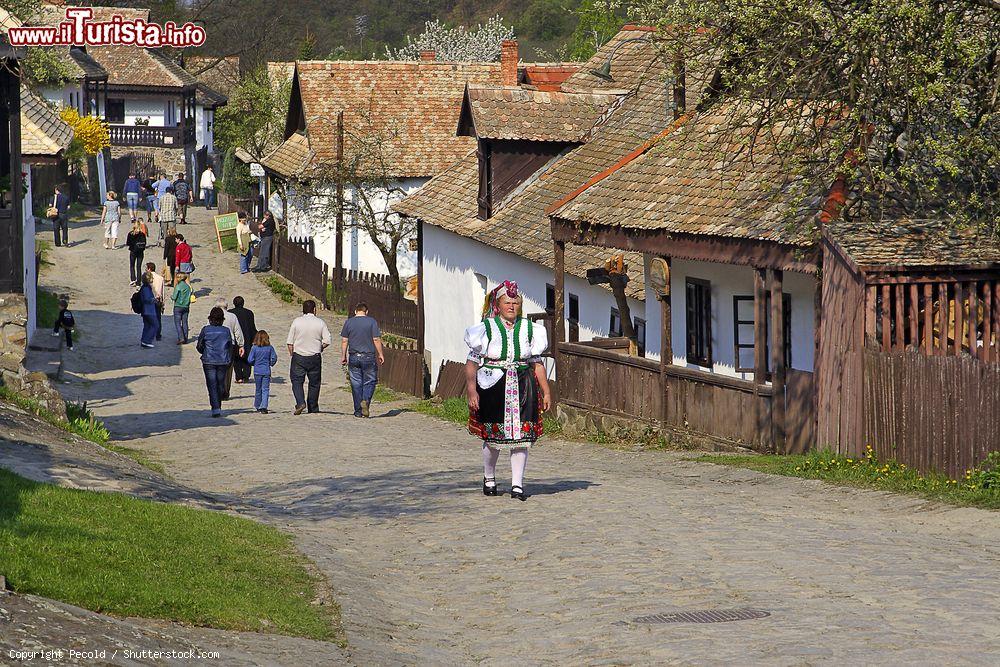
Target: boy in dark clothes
x=66, y=322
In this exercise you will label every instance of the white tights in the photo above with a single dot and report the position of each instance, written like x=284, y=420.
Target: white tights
x=518, y=460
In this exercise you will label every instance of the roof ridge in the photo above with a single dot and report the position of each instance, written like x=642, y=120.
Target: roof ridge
x=624, y=160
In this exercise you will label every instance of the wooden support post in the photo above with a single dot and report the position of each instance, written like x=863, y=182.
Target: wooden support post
x=899, y=339
x=559, y=324
x=987, y=322
x=338, y=234
x=759, y=327
x=871, y=303
x=945, y=317
x=775, y=283
x=666, y=345
x=959, y=321
x=420, y=287
x=928, y=341
x=914, y=315
x=886, y=291
x=973, y=290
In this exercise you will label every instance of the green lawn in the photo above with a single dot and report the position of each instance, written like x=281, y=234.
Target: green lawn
x=128, y=557
x=280, y=288
x=979, y=487
x=46, y=310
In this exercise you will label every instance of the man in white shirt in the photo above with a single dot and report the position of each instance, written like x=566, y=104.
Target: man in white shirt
x=208, y=187
x=307, y=338
x=156, y=282
x=230, y=322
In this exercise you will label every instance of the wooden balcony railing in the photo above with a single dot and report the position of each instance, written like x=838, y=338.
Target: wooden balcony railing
x=145, y=135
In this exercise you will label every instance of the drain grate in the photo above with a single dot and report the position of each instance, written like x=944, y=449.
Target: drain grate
x=706, y=616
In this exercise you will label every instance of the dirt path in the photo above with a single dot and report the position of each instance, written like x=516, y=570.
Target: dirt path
x=429, y=571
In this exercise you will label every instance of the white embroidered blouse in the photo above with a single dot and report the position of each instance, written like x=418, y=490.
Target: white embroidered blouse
x=496, y=347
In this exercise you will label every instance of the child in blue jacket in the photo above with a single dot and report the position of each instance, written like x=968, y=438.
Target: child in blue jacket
x=262, y=356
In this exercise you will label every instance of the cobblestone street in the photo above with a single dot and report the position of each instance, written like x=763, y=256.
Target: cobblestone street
x=429, y=571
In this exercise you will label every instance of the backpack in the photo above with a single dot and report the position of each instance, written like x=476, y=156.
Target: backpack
x=140, y=244
x=68, y=320
x=136, y=303
x=181, y=190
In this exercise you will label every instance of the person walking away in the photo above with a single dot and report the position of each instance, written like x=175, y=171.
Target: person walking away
x=262, y=357
x=229, y=321
x=111, y=216
x=181, y=296
x=144, y=303
x=244, y=243
x=136, y=243
x=248, y=328
x=170, y=254
x=267, y=229
x=506, y=386
x=58, y=213
x=168, y=212
x=132, y=189
x=156, y=281
x=160, y=186
x=148, y=196
x=307, y=338
x=361, y=351
x=65, y=323
x=183, y=257
x=215, y=343
x=208, y=187
x=182, y=190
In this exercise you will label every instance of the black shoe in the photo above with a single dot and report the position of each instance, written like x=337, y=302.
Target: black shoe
x=490, y=490
x=518, y=492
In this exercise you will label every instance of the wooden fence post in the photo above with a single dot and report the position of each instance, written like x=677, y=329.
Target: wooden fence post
x=558, y=327
x=775, y=278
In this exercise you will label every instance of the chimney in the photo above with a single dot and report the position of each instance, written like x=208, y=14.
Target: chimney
x=427, y=55
x=508, y=62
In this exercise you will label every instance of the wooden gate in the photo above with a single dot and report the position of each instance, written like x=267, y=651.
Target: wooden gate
x=143, y=165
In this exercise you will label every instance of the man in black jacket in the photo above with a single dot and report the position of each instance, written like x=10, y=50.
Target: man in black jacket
x=60, y=202
x=242, y=368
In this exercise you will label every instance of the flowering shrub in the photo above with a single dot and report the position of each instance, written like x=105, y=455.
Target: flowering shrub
x=456, y=44
x=91, y=132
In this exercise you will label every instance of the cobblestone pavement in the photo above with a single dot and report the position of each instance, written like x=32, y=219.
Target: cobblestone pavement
x=429, y=571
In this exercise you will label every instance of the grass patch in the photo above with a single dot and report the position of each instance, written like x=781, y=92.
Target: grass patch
x=979, y=488
x=46, y=310
x=280, y=288
x=129, y=557
x=44, y=250
x=456, y=410
x=382, y=394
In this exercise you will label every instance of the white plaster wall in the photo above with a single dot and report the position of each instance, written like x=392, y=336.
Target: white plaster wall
x=316, y=219
x=153, y=108
x=204, y=133
x=455, y=268
x=28, y=251
x=727, y=281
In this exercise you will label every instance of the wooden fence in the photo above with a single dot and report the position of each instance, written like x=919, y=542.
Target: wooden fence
x=450, y=380
x=609, y=382
x=395, y=314
x=405, y=371
x=305, y=271
x=931, y=412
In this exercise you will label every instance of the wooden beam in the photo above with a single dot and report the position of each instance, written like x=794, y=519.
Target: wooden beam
x=899, y=306
x=775, y=283
x=973, y=291
x=759, y=327
x=959, y=322
x=421, y=312
x=928, y=340
x=914, y=316
x=871, y=311
x=742, y=252
x=988, y=321
x=945, y=317
x=666, y=344
x=559, y=320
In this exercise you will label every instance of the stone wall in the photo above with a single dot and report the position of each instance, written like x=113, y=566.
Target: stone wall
x=13, y=347
x=593, y=425
x=170, y=160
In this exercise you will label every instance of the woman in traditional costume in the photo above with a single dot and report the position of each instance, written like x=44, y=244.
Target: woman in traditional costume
x=506, y=385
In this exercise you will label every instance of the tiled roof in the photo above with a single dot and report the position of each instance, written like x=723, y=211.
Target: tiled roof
x=208, y=97
x=522, y=225
x=417, y=101
x=289, y=158
x=129, y=66
x=914, y=244
x=629, y=63
x=86, y=64
x=699, y=178
x=43, y=132
x=546, y=76
x=516, y=113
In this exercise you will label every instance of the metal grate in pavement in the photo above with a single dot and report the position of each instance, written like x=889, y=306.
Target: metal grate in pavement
x=706, y=616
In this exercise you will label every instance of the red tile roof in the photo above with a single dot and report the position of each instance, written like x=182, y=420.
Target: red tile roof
x=517, y=113
x=418, y=102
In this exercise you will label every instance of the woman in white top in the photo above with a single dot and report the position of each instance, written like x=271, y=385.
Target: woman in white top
x=506, y=385
x=110, y=218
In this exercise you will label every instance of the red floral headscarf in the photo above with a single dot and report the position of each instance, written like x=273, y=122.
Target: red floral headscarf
x=492, y=306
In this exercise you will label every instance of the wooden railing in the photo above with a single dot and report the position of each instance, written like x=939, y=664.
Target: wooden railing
x=145, y=135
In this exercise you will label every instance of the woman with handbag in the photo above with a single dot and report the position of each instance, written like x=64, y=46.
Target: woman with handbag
x=110, y=218
x=184, y=256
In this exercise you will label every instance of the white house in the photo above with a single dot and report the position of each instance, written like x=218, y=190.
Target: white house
x=410, y=107
x=486, y=218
